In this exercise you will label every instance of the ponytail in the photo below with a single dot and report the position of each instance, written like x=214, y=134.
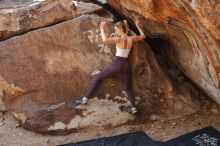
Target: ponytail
x=126, y=26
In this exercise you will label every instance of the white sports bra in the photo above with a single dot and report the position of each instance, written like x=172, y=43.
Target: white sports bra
x=122, y=52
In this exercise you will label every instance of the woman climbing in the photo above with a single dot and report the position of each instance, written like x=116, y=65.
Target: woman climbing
x=120, y=64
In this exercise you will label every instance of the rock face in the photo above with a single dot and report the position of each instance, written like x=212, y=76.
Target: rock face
x=53, y=65
x=24, y=15
x=43, y=72
x=192, y=28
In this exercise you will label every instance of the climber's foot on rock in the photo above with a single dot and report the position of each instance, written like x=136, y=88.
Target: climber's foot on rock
x=82, y=101
x=133, y=110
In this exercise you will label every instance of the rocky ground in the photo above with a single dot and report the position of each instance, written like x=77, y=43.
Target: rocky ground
x=13, y=135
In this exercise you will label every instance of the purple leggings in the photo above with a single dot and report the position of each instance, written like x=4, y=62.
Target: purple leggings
x=119, y=65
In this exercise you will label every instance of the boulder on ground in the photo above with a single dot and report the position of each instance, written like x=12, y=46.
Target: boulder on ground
x=46, y=70
x=18, y=17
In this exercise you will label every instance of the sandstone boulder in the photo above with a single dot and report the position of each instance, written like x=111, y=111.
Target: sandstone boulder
x=192, y=30
x=43, y=72
x=20, y=16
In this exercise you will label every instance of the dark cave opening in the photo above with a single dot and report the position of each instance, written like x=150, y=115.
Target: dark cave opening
x=164, y=53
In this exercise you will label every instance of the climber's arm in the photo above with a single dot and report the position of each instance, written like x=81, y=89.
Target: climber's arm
x=140, y=37
x=112, y=40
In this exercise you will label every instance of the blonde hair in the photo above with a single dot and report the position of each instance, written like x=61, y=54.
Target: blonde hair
x=124, y=25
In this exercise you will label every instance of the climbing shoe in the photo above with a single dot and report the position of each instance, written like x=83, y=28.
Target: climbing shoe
x=83, y=101
x=134, y=110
